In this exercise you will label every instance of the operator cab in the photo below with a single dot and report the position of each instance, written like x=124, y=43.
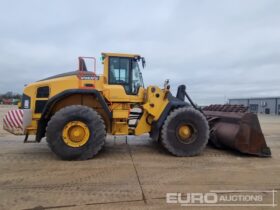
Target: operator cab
x=124, y=70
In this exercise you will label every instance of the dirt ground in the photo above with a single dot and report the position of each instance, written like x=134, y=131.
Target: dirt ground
x=128, y=174
x=3, y=111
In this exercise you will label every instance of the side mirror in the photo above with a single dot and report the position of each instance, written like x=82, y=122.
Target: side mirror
x=143, y=62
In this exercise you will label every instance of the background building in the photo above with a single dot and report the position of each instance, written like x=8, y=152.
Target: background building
x=267, y=105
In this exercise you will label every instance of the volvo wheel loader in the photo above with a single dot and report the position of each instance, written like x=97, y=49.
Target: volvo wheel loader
x=75, y=111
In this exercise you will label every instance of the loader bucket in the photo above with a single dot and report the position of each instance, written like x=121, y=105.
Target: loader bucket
x=232, y=126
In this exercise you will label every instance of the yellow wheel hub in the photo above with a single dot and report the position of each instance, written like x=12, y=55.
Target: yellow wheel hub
x=75, y=134
x=185, y=132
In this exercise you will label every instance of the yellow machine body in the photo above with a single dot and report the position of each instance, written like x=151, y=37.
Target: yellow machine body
x=152, y=100
x=75, y=110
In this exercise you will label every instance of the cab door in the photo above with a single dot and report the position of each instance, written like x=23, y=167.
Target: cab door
x=125, y=80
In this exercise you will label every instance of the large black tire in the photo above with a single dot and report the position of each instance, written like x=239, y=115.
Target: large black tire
x=83, y=114
x=174, y=143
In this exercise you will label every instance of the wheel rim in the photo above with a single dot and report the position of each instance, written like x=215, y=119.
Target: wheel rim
x=75, y=134
x=186, y=133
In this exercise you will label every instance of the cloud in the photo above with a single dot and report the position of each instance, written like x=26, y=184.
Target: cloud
x=219, y=49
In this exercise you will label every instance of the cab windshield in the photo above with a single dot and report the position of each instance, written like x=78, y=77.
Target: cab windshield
x=137, y=80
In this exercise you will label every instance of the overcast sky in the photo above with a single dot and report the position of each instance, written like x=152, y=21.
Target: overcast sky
x=219, y=49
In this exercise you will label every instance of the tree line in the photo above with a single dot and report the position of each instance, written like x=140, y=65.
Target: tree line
x=10, y=98
x=10, y=95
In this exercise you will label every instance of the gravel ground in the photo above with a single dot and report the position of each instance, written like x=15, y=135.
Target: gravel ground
x=133, y=173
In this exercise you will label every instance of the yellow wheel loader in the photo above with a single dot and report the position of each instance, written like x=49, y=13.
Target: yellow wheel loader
x=75, y=111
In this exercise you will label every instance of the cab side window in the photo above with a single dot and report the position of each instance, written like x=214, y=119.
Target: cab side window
x=119, y=72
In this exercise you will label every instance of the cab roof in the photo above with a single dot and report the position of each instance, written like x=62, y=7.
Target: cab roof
x=120, y=55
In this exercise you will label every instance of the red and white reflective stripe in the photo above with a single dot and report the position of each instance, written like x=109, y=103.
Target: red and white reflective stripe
x=6, y=124
x=20, y=111
x=19, y=116
x=9, y=120
x=14, y=118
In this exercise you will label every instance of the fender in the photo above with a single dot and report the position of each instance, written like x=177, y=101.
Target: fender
x=173, y=104
x=42, y=124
